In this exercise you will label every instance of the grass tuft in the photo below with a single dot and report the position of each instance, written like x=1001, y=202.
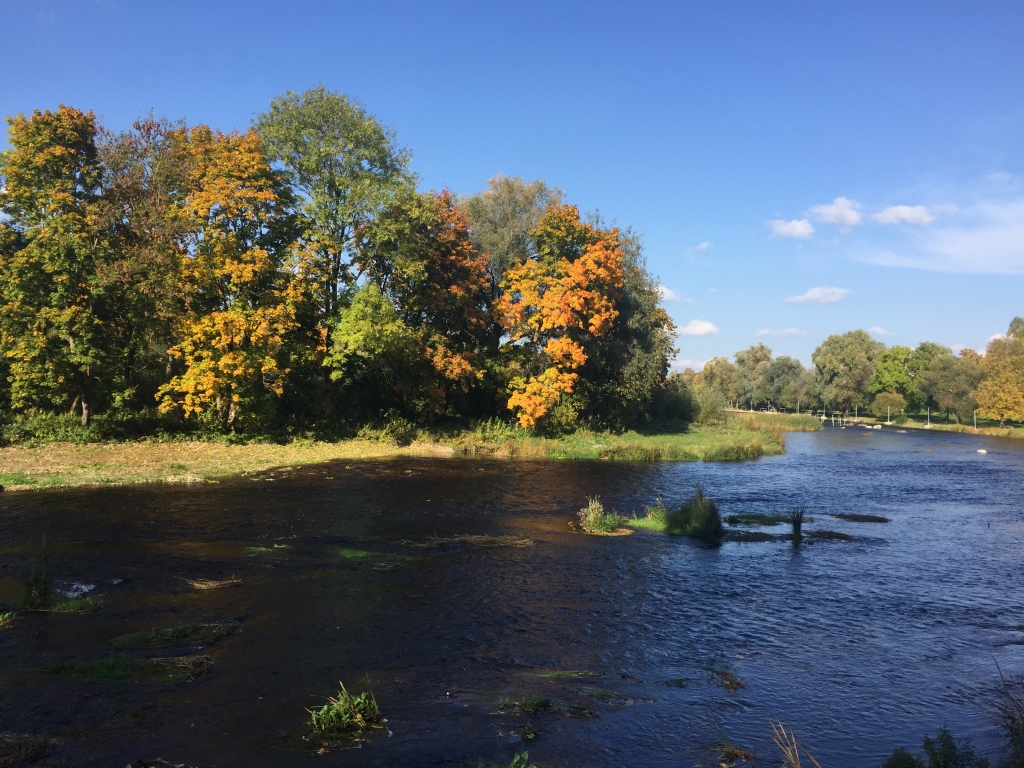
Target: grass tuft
x=593, y=518
x=121, y=668
x=196, y=634
x=76, y=605
x=345, y=715
x=22, y=748
x=787, y=744
x=857, y=518
x=698, y=517
x=535, y=705
x=38, y=584
x=6, y=619
x=796, y=519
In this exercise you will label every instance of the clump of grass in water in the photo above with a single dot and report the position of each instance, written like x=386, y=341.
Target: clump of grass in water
x=346, y=715
x=941, y=751
x=121, y=668
x=6, y=620
x=698, y=517
x=787, y=744
x=535, y=705
x=593, y=518
x=521, y=760
x=796, y=519
x=204, y=634
x=38, y=584
x=75, y=605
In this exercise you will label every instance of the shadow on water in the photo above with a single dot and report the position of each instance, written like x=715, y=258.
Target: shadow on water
x=456, y=588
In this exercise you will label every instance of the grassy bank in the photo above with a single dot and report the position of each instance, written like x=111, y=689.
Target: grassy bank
x=990, y=428
x=67, y=465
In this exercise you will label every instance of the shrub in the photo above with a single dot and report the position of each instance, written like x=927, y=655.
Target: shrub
x=593, y=518
x=710, y=407
x=346, y=714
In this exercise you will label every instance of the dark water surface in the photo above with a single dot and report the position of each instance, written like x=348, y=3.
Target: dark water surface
x=862, y=646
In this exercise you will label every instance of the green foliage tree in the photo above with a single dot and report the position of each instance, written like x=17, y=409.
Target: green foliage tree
x=844, y=365
x=53, y=328
x=891, y=374
x=888, y=404
x=949, y=381
x=776, y=382
x=502, y=217
x=750, y=366
x=718, y=373
x=917, y=363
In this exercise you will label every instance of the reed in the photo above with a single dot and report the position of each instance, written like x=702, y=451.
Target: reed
x=796, y=519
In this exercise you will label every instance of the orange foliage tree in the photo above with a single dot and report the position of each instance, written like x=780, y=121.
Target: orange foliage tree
x=239, y=300
x=552, y=302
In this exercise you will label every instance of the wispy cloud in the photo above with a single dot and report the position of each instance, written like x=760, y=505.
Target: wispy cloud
x=842, y=212
x=799, y=229
x=820, y=295
x=879, y=331
x=705, y=246
x=698, y=328
x=782, y=332
x=682, y=365
x=904, y=214
x=990, y=240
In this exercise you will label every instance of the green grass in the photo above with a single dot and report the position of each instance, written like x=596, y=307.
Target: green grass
x=358, y=554
x=344, y=715
x=698, y=518
x=198, y=634
x=593, y=518
x=6, y=620
x=118, y=668
x=75, y=605
x=522, y=760
x=535, y=705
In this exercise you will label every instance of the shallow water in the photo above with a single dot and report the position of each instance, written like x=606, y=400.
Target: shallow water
x=861, y=646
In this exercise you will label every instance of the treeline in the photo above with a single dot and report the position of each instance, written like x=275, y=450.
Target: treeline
x=290, y=278
x=852, y=372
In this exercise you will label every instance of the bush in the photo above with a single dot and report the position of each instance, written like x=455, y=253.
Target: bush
x=710, y=407
x=593, y=518
x=888, y=404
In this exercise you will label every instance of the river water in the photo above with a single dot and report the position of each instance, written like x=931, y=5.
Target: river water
x=861, y=646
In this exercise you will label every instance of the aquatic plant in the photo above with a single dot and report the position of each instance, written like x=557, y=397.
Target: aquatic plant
x=697, y=517
x=521, y=760
x=1007, y=707
x=38, y=584
x=75, y=605
x=198, y=634
x=345, y=715
x=6, y=619
x=755, y=518
x=852, y=517
x=121, y=668
x=796, y=519
x=827, y=535
x=593, y=518
x=534, y=705
x=211, y=583
x=941, y=752
x=787, y=744
x=22, y=748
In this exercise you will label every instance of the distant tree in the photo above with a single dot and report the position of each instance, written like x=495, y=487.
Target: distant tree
x=891, y=374
x=949, y=381
x=888, y=404
x=54, y=328
x=1016, y=329
x=917, y=363
x=750, y=365
x=718, y=373
x=776, y=382
x=844, y=365
x=1001, y=395
x=502, y=217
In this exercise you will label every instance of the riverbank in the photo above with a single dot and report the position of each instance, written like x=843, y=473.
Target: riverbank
x=916, y=422
x=66, y=465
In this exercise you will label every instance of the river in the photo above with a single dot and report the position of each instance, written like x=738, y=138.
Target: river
x=354, y=571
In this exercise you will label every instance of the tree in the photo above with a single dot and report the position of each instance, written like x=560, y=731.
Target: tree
x=552, y=302
x=917, y=363
x=750, y=365
x=949, y=381
x=891, y=374
x=418, y=259
x=145, y=187
x=346, y=167
x=718, y=373
x=502, y=217
x=888, y=403
x=52, y=242
x=1001, y=395
x=776, y=382
x=239, y=304
x=844, y=365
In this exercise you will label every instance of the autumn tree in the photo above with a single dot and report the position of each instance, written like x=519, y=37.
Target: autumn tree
x=144, y=191
x=53, y=328
x=415, y=337
x=552, y=303
x=239, y=304
x=844, y=365
x=1001, y=394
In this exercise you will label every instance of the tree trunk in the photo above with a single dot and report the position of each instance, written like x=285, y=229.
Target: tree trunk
x=86, y=413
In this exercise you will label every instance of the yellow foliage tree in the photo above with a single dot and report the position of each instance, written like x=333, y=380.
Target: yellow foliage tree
x=1001, y=395
x=552, y=301
x=240, y=302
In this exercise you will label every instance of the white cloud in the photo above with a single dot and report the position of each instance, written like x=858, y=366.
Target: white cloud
x=820, y=295
x=797, y=228
x=782, y=332
x=667, y=294
x=990, y=241
x=909, y=214
x=705, y=246
x=698, y=328
x=879, y=331
x=842, y=212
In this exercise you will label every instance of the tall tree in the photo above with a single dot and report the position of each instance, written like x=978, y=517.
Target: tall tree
x=502, y=217
x=844, y=365
x=346, y=167
x=917, y=363
x=750, y=365
x=1001, y=395
x=239, y=305
x=428, y=286
x=891, y=374
x=552, y=302
x=52, y=241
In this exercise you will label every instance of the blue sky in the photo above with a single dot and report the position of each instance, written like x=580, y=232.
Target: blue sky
x=796, y=168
